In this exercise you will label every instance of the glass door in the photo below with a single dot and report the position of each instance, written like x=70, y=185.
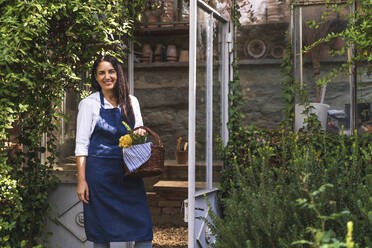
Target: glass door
x=208, y=88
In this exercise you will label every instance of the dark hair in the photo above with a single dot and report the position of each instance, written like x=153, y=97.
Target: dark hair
x=121, y=89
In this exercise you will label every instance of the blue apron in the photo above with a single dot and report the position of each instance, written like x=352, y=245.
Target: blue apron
x=117, y=210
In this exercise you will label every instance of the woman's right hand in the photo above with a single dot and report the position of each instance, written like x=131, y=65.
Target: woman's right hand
x=83, y=191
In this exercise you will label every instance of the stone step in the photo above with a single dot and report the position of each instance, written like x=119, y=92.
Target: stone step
x=165, y=210
x=176, y=189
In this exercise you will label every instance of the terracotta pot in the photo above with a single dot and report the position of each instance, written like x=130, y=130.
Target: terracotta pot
x=286, y=11
x=185, y=10
x=181, y=157
x=171, y=53
x=184, y=56
x=167, y=14
x=152, y=18
x=145, y=16
x=158, y=53
x=273, y=11
x=146, y=53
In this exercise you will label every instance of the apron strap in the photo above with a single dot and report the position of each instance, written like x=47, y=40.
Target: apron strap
x=101, y=97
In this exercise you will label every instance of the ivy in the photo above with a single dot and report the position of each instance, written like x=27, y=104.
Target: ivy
x=45, y=46
x=235, y=93
x=288, y=88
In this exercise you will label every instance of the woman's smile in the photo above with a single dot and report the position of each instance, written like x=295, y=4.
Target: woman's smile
x=106, y=76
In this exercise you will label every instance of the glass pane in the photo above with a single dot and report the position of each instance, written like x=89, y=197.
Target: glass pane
x=260, y=45
x=217, y=113
x=67, y=132
x=364, y=99
x=207, y=32
x=201, y=83
x=332, y=100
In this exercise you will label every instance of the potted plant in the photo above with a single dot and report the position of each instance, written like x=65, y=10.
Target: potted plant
x=181, y=151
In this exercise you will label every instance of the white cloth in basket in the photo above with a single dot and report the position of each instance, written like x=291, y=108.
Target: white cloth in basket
x=136, y=155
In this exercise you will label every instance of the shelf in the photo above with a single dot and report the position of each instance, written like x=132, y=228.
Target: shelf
x=299, y=3
x=163, y=28
x=261, y=25
x=338, y=59
x=241, y=62
x=171, y=64
x=260, y=61
x=161, y=64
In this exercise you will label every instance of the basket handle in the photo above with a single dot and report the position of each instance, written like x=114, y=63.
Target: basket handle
x=156, y=136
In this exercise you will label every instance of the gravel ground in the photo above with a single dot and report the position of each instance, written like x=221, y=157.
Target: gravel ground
x=170, y=237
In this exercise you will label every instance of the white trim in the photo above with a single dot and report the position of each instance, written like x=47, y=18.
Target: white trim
x=191, y=131
x=209, y=104
x=131, y=68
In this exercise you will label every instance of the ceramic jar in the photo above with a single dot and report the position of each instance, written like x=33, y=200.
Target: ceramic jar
x=184, y=56
x=286, y=11
x=146, y=53
x=181, y=157
x=273, y=11
x=152, y=17
x=185, y=10
x=171, y=53
x=158, y=53
x=168, y=11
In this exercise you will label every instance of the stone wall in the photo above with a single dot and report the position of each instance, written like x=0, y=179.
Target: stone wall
x=261, y=86
x=163, y=95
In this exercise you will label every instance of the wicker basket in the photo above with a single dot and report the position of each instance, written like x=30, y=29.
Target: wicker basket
x=155, y=165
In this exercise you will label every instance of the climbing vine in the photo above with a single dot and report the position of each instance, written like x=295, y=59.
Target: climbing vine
x=288, y=88
x=235, y=92
x=45, y=46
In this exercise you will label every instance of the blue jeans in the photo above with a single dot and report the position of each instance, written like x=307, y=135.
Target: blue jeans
x=139, y=244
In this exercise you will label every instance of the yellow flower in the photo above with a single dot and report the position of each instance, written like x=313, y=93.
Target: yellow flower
x=125, y=141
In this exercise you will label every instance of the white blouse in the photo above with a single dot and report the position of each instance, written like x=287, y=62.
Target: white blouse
x=87, y=118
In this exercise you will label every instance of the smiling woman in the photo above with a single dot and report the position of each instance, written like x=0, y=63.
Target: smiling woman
x=42, y=56
x=102, y=184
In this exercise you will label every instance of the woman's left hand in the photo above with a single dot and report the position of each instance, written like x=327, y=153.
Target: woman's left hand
x=140, y=131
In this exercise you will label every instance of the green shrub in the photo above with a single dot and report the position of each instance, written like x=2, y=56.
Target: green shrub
x=264, y=176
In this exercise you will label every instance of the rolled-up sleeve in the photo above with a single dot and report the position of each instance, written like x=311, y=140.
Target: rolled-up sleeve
x=137, y=112
x=83, y=127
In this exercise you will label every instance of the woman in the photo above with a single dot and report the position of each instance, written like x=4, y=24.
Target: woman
x=115, y=206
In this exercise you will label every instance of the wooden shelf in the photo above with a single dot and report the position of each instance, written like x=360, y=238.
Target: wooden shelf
x=338, y=59
x=163, y=28
x=260, y=61
x=178, y=185
x=265, y=24
x=161, y=65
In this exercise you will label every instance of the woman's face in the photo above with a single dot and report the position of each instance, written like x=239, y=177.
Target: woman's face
x=106, y=76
